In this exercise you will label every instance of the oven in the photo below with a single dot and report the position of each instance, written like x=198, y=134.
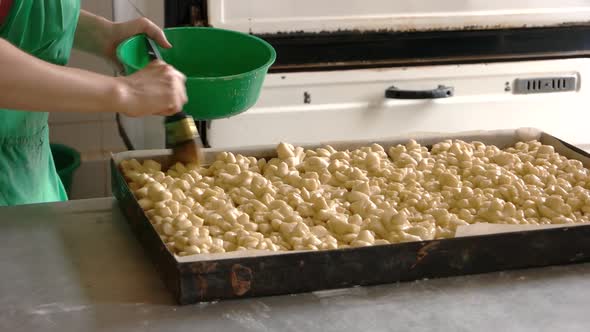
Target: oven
x=352, y=69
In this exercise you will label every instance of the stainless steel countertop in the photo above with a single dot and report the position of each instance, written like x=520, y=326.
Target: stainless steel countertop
x=75, y=266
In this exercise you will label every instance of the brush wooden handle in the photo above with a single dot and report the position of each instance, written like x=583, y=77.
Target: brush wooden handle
x=180, y=127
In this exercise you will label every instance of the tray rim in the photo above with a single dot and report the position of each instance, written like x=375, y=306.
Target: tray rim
x=201, y=269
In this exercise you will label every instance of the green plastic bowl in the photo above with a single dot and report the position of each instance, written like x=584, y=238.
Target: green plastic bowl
x=224, y=69
x=67, y=161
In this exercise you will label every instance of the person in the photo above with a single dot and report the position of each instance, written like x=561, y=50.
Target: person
x=36, y=37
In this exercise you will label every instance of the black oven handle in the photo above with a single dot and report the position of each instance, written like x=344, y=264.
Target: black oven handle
x=440, y=92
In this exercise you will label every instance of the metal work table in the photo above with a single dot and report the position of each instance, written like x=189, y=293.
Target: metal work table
x=76, y=266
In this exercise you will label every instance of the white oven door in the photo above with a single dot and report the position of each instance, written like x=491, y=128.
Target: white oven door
x=324, y=106
x=315, y=106
x=272, y=16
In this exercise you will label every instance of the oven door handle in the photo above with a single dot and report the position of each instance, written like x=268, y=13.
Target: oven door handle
x=440, y=92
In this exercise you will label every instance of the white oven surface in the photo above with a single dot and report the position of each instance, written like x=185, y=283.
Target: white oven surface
x=351, y=105
x=271, y=16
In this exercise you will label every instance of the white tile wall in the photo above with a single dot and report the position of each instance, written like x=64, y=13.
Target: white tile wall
x=90, y=180
x=152, y=9
x=110, y=139
x=60, y=118
x=82, y=136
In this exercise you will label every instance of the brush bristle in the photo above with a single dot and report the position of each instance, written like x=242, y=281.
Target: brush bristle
x=188, y=152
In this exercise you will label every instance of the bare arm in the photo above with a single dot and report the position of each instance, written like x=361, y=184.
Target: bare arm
x=28, y=83
x=91, y=33
x=99, y=36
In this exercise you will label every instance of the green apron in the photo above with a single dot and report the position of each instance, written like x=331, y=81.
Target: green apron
x=44, y=29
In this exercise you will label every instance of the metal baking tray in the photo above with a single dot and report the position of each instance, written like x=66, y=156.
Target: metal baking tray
x=251, y=274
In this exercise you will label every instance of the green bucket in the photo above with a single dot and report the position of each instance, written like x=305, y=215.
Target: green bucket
x=224, y=69
x=67, y=161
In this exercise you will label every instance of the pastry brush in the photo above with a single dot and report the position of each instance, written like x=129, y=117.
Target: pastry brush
x=181, y=132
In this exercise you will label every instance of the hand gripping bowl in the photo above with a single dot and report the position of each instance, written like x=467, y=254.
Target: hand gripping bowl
x=224, y=69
